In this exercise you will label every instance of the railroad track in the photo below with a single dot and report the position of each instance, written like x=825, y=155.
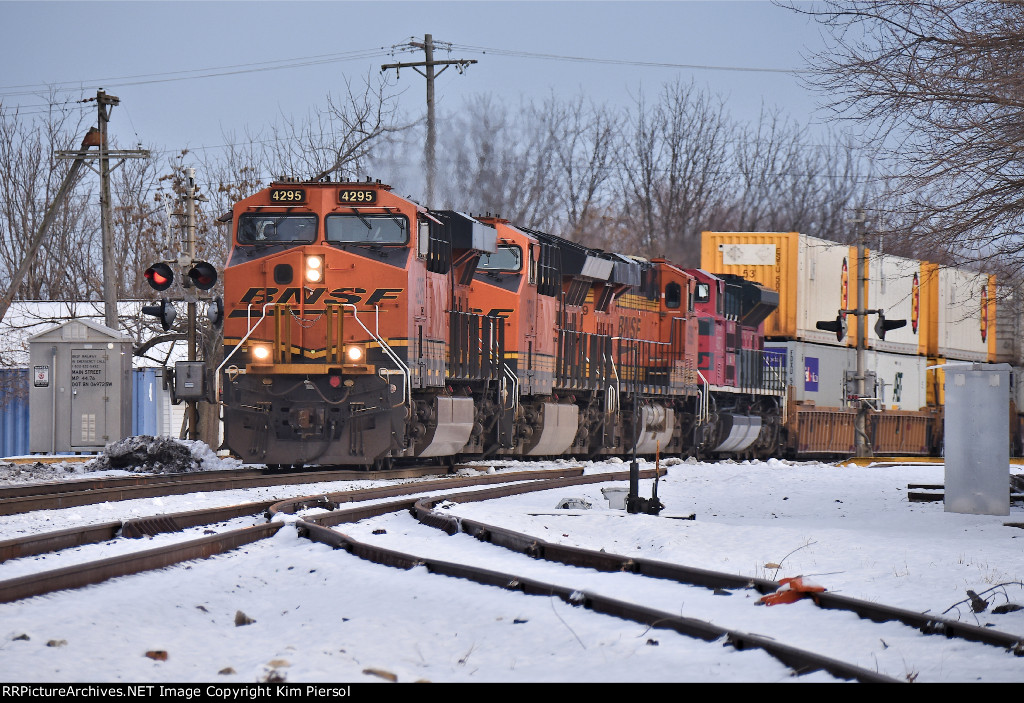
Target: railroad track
x=428, y=513
x=26, y=498
x=931, y=628
x=138, y=561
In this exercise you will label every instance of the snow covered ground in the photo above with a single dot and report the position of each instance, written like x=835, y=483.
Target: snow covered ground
x=321, y=615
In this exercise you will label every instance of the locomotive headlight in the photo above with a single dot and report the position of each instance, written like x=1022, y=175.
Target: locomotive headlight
x=354, y=353
x=314, y=269
x=261, y=352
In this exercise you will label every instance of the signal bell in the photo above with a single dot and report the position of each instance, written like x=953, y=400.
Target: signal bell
x=164, y=312
x=203, y=275
x=159, y=276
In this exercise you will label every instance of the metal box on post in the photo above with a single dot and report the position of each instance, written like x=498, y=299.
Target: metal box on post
x=80, y=395
x=190, y=380
x=977, y=439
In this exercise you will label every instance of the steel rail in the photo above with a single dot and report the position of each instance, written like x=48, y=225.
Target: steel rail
x=125, y=565
x=23, y=499
x=49, y=542
x=605, y=561
x=800, y=661
x=95, y=572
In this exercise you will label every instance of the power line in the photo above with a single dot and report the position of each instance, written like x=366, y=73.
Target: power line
x=620, y=62
x=320, y=59
x=191, y=74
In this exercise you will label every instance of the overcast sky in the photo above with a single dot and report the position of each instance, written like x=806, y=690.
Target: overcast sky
x=189, y=72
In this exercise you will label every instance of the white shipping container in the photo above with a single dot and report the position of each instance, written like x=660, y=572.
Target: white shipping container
x=900, y=380
x=826, y=284
x=894, y=286
x=816, y=373
x=825, y=375
x=963, y=314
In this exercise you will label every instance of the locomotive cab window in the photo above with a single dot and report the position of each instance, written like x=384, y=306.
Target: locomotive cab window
x=357, y=228
x=508, y=257
x=673, y=295
x=703, y=292
x=258, y=228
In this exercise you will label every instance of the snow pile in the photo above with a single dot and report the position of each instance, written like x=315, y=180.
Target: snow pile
x=158, y=455
x=38, y=472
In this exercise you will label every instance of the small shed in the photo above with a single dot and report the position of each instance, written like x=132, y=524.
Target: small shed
x=80, y=392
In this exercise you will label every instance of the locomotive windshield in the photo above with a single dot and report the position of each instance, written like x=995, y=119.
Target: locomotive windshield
x=273, y=229
x=367, y=229
x=509, y=257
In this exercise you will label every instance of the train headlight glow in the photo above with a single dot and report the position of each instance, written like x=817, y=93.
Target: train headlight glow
x=354, y=353
x=261, y=353
x=314, y=269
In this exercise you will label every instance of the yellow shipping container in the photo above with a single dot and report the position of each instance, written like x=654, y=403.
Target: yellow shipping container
x=815, y=279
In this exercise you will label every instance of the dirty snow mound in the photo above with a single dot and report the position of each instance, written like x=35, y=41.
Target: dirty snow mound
x=145, y=454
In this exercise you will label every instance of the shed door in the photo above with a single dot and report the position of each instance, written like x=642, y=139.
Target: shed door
x=90, y=392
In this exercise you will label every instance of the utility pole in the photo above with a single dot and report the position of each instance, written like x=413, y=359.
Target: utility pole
x=428, y=64
x=104, y=155
x=103, y=101
x=860, y=431
x=190, y=247
x=860, y=425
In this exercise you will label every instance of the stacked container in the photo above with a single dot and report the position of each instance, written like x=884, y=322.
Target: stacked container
x=950, y=315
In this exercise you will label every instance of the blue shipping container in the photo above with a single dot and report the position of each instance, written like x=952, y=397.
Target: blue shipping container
x=13, y=412
x=14, y=418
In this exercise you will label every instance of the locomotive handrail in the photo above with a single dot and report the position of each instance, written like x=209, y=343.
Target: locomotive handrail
x=515, y=388
x=703, y=415
x=263, y=316
x=403, y=369
x=616, y=388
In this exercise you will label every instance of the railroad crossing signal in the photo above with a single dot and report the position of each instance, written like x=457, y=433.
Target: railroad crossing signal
x=215, y=312
x=164, y=312
x=882, y=325
x=203, y=275
x=159, y=276
x=838, y=326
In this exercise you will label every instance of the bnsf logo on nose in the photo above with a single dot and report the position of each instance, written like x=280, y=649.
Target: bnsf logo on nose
x=311, y=296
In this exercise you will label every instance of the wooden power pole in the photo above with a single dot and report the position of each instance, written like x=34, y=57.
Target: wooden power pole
x=428, y=64
x=103, y=104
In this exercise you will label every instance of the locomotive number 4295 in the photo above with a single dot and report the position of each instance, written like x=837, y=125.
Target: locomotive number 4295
x=362, y=197
x=288, y=195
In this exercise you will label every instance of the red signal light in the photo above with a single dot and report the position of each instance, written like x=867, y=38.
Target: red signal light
x=203, y=275
x=159, y=276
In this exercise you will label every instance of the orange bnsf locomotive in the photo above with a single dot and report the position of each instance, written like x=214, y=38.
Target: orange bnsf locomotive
x=361, y=328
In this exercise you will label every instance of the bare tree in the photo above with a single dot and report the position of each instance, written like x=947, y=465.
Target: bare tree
x=785, y=180
x=585, y=139
x=139, y=224
x=501, y=160
x=335, y=140
x=672, y=170
x=939, y=84
x=30, y=175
